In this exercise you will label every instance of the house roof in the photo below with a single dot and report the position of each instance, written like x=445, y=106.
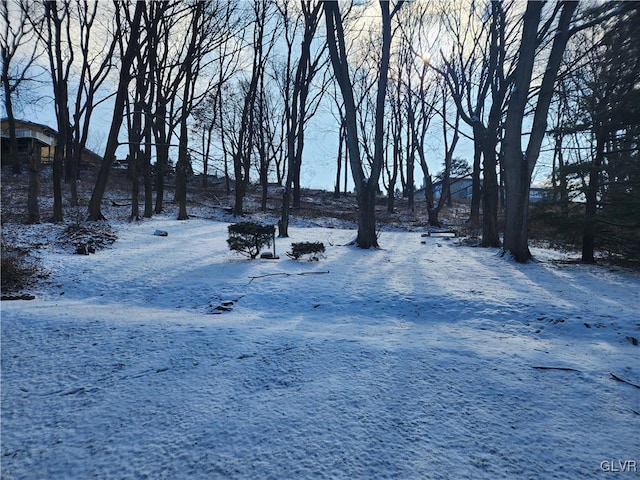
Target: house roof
x=453, y=180
x=46, y=130
x=32, y=124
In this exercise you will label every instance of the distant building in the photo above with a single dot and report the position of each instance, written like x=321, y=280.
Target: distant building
x=39, y=140
x=32, y=139
x=462, y=190
x=538, y=194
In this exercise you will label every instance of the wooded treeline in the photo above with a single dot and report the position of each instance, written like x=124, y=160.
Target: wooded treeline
x=231, y=88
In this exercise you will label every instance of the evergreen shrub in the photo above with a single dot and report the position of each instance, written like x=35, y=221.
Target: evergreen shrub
x=313, y=249
x=248, y=238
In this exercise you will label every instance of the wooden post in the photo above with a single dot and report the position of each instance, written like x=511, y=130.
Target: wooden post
x=274, y=245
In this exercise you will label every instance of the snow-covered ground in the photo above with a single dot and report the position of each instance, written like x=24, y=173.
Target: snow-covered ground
x=413, y=361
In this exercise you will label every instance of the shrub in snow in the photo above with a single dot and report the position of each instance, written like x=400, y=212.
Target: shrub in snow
x=314, y=250
x=247, y=238
x=19, y=270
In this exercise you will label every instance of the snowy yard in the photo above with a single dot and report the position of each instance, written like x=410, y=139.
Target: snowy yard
x=415, y=361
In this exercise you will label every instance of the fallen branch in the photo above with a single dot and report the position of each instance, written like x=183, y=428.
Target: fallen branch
x=617, y=378
x=566, y=369
x=74, y=391
x=286, y=274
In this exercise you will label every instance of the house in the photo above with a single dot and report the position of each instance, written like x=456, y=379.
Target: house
x=538, y=194
x=462, y=190
x=32, y=138
x=460, y=187
x=40, y=140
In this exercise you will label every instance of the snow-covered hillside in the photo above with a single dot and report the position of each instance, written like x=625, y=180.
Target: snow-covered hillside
x=423, y=359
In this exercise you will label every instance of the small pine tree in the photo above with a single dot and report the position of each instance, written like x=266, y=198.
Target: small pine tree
x=313, y=249
x=248, y=238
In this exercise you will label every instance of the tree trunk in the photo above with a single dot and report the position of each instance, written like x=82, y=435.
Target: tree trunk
x=14, y=159
x=162, y=150
x=476, y=191
x=393, y=176
x=296, y=186
x=72, y=168
x=181, y=186
x=264, y=182
x=283, y=224
x=336, y=191
x=563, y=186
x=591, y=206
x=135, y=141
x=410, y=183
x=367, y=234
x=162, y=163
x=33, y=209
x=146, y=157
x=182, y=162
x=240, y=183
x=58, y=160
x=432, y=211
x=490, y=233
x=135, y=186
x=146, y=168
x=428, y=190
x=60, y=92
x=516, y=165
x=206, y=142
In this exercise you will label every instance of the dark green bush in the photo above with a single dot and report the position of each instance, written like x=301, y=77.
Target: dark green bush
x=313, y=249
x=247, y=238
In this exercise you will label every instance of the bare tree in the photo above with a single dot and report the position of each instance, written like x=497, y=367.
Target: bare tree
x=298, y=112
x=171, y=55
x=57, y=35
x=210, y=24
x=69, y=39
x=427, y=94
x=342, y=153
x=210, y=115
x=519, y=165
x=95, y=211
x=366, y=188
x=17, y=34
x=150, y=59
x=449, y=148
x=165, y=27
x=263, y=42
x=206, y=116
x=475, y=73
x=396, y=123
x=135, y=108
x=191, y=68
x=95, y=65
